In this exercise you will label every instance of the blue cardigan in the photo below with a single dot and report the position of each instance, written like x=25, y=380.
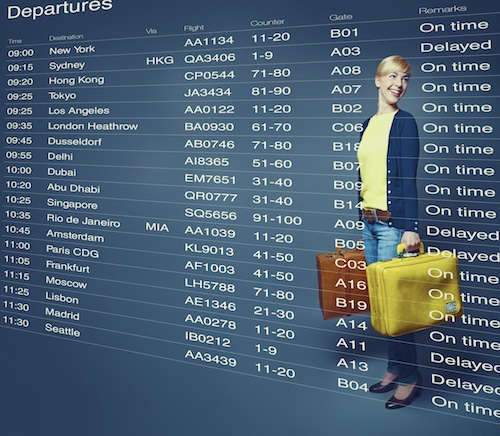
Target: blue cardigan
x=402, y=161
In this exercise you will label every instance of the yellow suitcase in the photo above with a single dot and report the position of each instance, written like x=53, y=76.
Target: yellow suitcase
x=408, y=294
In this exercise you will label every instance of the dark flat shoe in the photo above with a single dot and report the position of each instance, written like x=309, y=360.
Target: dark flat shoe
x=394, y=403
x=378, y=388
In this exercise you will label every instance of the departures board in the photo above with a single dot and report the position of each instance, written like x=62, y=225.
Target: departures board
x=170, y=169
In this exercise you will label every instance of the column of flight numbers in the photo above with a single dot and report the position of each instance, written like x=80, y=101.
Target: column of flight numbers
x=274, y=216
x=17, y=185
x=348, y=111
x=210, y=145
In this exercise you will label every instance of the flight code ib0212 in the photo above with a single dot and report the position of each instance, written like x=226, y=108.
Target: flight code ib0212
x=207, y=339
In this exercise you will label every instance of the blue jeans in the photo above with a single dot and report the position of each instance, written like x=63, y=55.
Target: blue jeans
x=380, y=241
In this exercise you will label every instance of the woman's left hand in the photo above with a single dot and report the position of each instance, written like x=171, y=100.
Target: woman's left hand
x=411, y=241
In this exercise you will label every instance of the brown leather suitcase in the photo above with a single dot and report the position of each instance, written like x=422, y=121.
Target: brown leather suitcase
x=342, y=283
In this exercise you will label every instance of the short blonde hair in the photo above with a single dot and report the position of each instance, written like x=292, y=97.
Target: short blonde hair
x=391, y=64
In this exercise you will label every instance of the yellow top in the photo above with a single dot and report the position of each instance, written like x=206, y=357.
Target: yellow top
x=372, y=157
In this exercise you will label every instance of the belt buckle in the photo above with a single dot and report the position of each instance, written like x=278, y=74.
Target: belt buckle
x=373, y=215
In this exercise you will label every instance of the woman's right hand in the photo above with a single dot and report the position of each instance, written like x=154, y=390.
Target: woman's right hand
x=411, y=241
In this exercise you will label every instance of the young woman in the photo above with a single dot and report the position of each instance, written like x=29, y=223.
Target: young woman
x=388, y=156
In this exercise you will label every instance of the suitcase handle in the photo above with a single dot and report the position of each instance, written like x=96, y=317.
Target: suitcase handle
x=401, y=250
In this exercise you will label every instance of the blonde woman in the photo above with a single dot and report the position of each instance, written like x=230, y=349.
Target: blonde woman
x=388, y=156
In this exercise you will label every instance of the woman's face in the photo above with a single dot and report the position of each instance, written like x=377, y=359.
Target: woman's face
x=392, y=87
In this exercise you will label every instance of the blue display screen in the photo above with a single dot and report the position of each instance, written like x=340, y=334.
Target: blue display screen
x=172, y=172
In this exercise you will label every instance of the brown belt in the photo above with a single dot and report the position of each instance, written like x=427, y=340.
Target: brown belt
x=376, y=215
